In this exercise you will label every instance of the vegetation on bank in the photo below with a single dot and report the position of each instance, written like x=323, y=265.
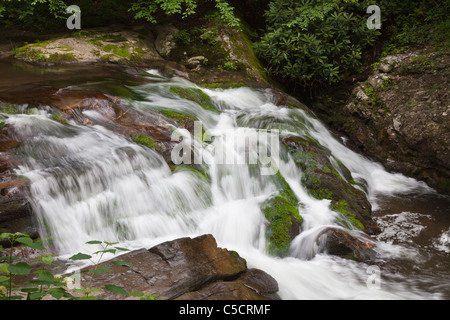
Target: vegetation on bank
x=305, y=43
x=43, y=283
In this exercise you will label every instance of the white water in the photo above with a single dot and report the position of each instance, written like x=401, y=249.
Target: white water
x=88, y=183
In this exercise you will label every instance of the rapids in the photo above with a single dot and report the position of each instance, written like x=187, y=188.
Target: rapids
x=89, y=183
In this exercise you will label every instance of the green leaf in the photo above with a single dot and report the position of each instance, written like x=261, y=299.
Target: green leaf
x=30, y=243
x=80, y=256
x=94, y=242
x=57, y=293
x=46, y=276
x=113, y=251
x=121, y=263
x=7, y=258
x=4, y=278
x=122, y=249
x=116, y=289
x=19, y=268
x=36, y=295
x=4, y=267
x=101, y=270
x=29, y=290
x=47, y=259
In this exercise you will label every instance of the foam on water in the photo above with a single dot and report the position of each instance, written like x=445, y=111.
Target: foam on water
x=89, y=183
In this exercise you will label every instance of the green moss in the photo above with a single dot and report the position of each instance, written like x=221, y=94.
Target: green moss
x=61, y=57
x=10, y=109
x=28, y=53
x=223, y=85
x=201, y=174
x=195, y=95
x=144, y=140
x=122, y=51
x=181, y=118
x=280, y=213
x=57, y=117
x=285, y=190
x=2, y=124
x=342, y=207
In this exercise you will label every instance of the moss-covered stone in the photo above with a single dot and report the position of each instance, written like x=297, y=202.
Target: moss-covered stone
x=144, y=140
x=59, y=118
x=348, y=217
x=282, y=213
x=322, y=179
x=195, y=95
x=284, y=220
x=203, y=175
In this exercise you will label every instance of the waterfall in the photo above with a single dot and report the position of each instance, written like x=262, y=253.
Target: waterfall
x=89, y=183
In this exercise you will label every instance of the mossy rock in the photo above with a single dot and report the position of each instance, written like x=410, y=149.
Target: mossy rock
x=284, y=224
x=202, y=174
x=145, y=141
x=195, y=95
x=322, y=179
x=283, y=216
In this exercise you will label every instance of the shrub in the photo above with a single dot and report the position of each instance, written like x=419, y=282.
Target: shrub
x=313, y=42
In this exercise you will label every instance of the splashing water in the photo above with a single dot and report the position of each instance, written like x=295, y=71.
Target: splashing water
x=90, y=183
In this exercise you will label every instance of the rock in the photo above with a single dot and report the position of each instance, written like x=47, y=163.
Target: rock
x=254, y=284
x=325, y=179
x=186, y=268
x=164, y=42
x=195, y=63
x=16, y=214
x=93, y=45
x=405, y=122
x=342, y=243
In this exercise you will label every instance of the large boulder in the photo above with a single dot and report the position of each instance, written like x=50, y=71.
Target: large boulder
x=186, y=268
x=128, y=47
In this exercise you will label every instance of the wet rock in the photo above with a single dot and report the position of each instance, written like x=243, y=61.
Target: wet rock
x=342, y=243
x=254, y=284
x=327, y=178
x=16, y=214
x=187, y=268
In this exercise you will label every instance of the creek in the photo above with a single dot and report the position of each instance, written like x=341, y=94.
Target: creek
x=90, y=183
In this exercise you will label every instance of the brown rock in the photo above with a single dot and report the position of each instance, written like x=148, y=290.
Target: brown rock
x=187, y=269
x=341, y=243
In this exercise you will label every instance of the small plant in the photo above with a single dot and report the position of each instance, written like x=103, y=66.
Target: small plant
x=47, y=284
x=106, y=247
x=230, y=66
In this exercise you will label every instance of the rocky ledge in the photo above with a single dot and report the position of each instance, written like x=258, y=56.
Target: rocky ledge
x=400, y=114
x=186, y=269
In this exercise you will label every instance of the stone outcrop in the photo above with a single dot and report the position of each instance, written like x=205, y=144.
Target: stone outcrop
x=186, y=268
x=400, y=115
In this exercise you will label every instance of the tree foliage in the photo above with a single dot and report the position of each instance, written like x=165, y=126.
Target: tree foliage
x=146, y=9
x=42, y=13
x=313, y=42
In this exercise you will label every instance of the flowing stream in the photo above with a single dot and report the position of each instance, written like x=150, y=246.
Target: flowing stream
x=89, y=183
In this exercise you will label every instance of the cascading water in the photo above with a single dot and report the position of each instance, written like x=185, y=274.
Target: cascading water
x=90, y=183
